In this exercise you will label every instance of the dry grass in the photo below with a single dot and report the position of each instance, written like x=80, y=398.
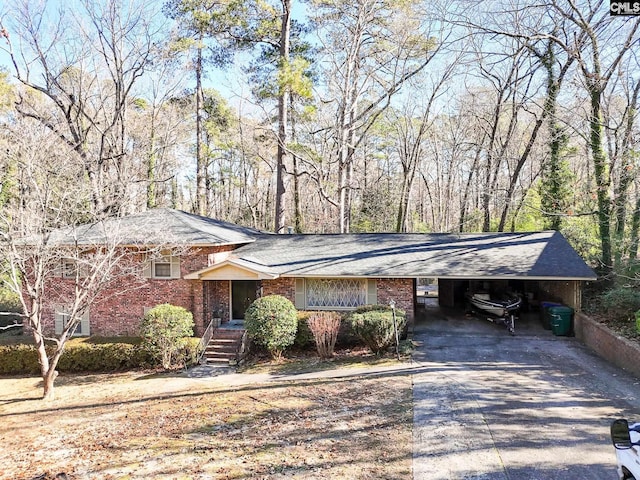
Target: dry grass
x=130, y=426
x=308, y=361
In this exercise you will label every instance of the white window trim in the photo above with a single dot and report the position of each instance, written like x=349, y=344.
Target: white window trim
x=69, y=268
x=174, y=266
x=61, y=317
x=165, y=262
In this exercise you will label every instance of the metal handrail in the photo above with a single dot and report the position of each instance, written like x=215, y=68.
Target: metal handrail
x=204, y=341
x=242, y=349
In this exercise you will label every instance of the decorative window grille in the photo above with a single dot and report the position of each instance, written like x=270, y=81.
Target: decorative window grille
x=336, y=292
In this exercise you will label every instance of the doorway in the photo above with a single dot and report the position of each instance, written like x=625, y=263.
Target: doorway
x=243, y=293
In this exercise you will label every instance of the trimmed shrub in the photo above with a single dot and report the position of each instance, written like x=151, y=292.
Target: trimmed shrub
x=165, y=329
x=304, y=337
x=19, y=358
x=104, y=357
x=373, y=324
x=80, y=355
x=325, y=327
x=272, y=322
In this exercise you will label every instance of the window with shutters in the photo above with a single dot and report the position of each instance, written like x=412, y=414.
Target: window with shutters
x=62, y=319
x=162, y=267
x=336, y=292
x=69, y=269
x=166, y=266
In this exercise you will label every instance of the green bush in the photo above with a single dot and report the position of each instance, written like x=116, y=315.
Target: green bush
x=621, y=301
x=190, y=353
x=104, y=357
x=304, y=337
x=165, y=329
x=373, y=324
x=19, y=358
x=80, y=355
x=272, y=322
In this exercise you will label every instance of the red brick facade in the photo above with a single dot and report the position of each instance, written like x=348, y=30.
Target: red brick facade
x=401, y=291
x=285, y=286
x=121, y=307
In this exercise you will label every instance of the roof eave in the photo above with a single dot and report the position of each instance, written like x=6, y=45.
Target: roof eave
x=260, y=274
x=447, y=277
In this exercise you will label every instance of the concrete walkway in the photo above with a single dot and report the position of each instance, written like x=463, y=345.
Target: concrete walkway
x=227, y=376
x=534, y=406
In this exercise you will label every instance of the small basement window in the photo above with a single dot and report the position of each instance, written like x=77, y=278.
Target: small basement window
x=69, y=268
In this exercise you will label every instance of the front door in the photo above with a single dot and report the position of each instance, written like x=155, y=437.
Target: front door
x=243, y=293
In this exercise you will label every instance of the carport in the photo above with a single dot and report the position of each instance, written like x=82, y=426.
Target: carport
x=356, y=269
x=566, y=291
x=541, y=266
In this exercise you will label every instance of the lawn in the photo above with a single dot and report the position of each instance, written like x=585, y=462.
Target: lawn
x=136, y=425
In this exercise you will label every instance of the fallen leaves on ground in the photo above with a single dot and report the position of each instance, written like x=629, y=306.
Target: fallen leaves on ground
x=129, y=426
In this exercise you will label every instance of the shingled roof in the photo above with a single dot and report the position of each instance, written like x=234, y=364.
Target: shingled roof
x=539, y=255
x=156, y=227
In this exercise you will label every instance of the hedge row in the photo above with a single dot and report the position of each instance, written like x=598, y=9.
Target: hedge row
x=304, y=338
x=349, y=336
x=87, y=355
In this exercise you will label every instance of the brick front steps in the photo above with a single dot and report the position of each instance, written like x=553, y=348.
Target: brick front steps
x=224, y=346
x=612, y=347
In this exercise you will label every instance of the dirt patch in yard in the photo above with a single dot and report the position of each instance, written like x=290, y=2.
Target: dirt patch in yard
x=133, y=425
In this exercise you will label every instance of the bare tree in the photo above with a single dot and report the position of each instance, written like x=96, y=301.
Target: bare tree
x=84, y=65
x=47, y=235
x=370, y=53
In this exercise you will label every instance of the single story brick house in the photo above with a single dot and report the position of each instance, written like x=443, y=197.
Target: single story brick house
x=221, y=268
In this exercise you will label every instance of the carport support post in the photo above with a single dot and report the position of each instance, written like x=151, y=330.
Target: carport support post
x=392, y=304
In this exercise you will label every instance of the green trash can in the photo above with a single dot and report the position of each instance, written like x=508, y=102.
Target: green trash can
x=545, y=315
x=561, y=318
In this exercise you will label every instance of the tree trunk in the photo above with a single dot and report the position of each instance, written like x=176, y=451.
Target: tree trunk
x=151, y=166
x=283, y=103
x=602, y=177
x=49, y=380
x=467, y=189
x=627, y=175
x=47, y=368
x=635, y=229
x=403, y=206
x=516, y=173
x=201, y=165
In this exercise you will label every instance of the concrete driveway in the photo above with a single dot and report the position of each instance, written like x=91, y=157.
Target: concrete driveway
x=530, y=407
